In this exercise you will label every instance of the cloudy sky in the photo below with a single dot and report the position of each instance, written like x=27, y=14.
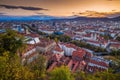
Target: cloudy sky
x=91, y=8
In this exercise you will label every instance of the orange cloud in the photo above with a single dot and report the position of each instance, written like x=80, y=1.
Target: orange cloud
x=98, y=14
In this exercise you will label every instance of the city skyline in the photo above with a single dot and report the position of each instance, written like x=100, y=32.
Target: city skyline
x=89, y=8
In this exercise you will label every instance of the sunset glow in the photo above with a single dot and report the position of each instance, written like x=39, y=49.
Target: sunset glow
x=91, y=8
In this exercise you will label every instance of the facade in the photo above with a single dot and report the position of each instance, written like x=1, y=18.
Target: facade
x=45, y=46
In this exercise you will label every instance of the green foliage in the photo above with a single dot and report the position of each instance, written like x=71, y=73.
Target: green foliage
x=11, y=69
x=105, y=75
x=61, y=73
x=62, y=38
x=11, y=41
x=115, y=53
x=56, y=40
x=116, y=59
x=38, y=67
x=80, y=75
x=106, y=37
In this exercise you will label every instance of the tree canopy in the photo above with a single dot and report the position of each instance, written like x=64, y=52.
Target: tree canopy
x=11, y=69
x=11, y=41
x=61, y=73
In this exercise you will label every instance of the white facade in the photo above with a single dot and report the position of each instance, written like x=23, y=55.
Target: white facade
x=29, y=60
x=47, y=31
x=27, y=54
x=57, y=52
x=67, y=50
x=87, y=38
x=80, y=33
x=34, y=41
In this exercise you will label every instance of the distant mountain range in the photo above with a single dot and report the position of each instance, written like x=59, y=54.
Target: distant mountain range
x=98, y=18
x=26, y=18
x=45, y=17
x=92, y=18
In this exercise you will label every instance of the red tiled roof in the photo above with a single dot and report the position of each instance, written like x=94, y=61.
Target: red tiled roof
x=92, y=41
x=70, y=63
x=70, y=45
x=101, y=63
x=115, y=45
x=115, y=41
x=29, y=47
x=57, y=48
x=45, y=42
x=87, y=35
x=94, y=68
x=52, y=66
x=75, y=66
x=79, y=54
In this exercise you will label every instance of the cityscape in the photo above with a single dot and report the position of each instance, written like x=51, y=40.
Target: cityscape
x=60, y=40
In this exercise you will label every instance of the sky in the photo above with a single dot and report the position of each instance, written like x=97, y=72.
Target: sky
x=90, y=8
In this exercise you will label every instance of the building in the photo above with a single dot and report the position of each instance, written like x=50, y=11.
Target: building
x=45, y=45
x=58, y=50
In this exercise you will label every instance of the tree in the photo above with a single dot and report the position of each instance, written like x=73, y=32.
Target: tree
x=11, y=69
x=80, y=75
x=56, y=40
x=115, y=53
x=61, y=73
x=38, y=67
x=12, y=42
x=105, y=75
x=106, y=36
